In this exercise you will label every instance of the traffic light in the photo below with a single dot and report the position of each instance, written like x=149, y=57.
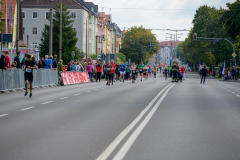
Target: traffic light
x=194, y=36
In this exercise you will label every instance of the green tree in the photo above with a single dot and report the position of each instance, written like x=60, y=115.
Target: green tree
x=1, y=23
x=92, y=56
x=121, y=56
x=69, y=39
x=136, y=44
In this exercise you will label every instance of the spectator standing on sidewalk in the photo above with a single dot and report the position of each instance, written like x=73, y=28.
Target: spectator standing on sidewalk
x=34, y=60
x=74, y=66
x=8, y=60
x=24, y=59
x=99, y=71
x=89, y=69
x=2, y=62
x=49, y=63
x=60, y=66
x=17, y=59
x=54, y=62
x=204, y=74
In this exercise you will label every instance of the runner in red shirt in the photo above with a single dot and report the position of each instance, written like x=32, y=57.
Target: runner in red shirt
x=8, y=60
x=113, y=70
x=183, y=70
x=99, y=71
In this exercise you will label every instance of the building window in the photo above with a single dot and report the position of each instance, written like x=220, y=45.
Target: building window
x=23, y=30
x=47, y=16
x=74, y=15
x=34, y=30
x=35, y=15
x=23, y=15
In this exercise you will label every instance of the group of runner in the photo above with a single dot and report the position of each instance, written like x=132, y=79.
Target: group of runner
x=112, y=76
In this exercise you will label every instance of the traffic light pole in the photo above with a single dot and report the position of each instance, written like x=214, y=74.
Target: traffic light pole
x=225, y=39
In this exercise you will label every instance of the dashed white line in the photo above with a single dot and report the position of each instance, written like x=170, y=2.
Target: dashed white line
x=3, y=115
x=233, y=92
x=24, y=109
x=77, y=94
x=64, y=98
x=47, y=102
x=237, y=95
x=88, y=91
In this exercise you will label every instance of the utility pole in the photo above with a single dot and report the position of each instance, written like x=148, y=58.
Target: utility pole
x=60, y=37
x=17, y=38
x=115, y=49
x=51, y=33
x=86, y=44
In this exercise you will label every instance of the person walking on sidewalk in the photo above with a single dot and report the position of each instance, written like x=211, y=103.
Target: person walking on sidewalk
x=28, y=67
x=204, y=74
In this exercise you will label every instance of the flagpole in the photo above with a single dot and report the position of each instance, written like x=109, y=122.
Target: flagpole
x=6, y=31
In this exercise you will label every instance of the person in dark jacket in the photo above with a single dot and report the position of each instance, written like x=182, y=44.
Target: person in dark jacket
x=3, y=62
x=17, y=59
x=204, y=74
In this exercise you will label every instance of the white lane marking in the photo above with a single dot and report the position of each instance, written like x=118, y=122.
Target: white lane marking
x=24, y=109
x=237, y=95
x=123, y=151
x=233, y=92
x=3, y=115
x=88, y=91
x=47, y=102
x=77, y=94
x=106, y=153
x=64, y=98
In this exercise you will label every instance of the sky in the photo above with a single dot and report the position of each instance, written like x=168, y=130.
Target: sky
x=156, y=14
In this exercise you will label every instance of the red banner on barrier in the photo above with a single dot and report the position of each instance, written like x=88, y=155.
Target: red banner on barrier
x=75, y=77
x=65, y=79
x=70, y=77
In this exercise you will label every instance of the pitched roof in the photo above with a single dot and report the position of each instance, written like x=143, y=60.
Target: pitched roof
x=48, y=4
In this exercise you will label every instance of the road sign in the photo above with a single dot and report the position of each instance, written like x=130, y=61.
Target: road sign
x=234, y=55
x=6, y=37
x=73, y=54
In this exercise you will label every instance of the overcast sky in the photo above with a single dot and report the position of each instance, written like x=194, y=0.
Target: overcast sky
x=158, y=14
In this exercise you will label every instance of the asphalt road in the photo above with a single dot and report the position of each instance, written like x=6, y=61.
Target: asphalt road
x=150, y=120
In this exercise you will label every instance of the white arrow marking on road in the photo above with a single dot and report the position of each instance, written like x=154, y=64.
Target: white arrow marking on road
x=3, y=115
x=47, y=102
x=24, y=109
x=105, y=154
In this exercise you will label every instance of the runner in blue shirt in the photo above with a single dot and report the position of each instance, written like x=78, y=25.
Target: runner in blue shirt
x=122, y=71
